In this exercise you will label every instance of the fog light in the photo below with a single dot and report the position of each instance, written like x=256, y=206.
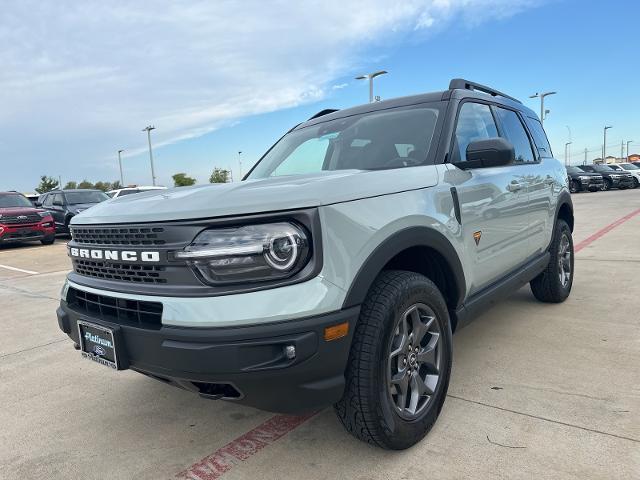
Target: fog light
x=336, y=331
x=290, y=352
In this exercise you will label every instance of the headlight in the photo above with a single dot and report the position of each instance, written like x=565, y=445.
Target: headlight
x=250, y=253
x=44, y=214
x=583, y=178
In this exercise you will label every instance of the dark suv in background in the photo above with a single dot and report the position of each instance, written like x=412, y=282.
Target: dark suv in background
x=64, y=204
x=612, y=179
x=579, y=180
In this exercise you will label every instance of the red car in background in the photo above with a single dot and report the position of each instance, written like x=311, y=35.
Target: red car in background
x=20, y=221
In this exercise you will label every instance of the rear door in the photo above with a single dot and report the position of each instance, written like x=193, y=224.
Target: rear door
x=56, y=207
x=493, y=202
x=536, y=174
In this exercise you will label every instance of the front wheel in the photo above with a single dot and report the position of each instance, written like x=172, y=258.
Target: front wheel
x=400, y=362
x=606, y=185
x=636, y=184
x=48, y=240
x=553, y=285
x=574, y=187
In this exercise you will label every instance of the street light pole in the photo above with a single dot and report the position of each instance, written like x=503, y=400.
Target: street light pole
x=370, y=77
x=566, y=145
x=541, y=96
x=604, y=145
x=148, y=129
x=630, y=141
x=120, y=164
x=240, y=164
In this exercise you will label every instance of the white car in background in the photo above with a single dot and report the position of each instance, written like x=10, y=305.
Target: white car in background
x=628, y=168
x=131, y=190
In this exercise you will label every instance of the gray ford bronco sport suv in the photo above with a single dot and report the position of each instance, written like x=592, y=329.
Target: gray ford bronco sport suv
x=337, y=270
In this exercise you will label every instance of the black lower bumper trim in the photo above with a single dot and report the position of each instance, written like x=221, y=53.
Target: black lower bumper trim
x=250, y=361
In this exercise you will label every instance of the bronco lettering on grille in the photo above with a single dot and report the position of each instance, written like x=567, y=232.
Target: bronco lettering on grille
x=121, y=255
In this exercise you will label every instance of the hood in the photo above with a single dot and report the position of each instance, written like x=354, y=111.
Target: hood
x=76, y=207
x=257, y=196
x=11, y=211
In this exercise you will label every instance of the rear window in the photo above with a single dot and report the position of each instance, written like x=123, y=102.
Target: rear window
x=539, y=137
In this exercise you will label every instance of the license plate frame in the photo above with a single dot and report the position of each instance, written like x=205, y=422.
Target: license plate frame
x=100, y=346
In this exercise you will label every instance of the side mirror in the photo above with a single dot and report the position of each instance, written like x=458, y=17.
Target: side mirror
x=492, y=152
x=37, y=204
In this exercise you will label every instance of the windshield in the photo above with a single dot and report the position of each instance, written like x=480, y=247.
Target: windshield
x=574, y=170
x=7, y=201
x=604, y=168
x=394, y=138
x=90, y=196
x=615, y=167
x=628, y=166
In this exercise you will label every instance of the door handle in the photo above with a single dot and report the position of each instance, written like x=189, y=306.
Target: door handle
x=514, y=187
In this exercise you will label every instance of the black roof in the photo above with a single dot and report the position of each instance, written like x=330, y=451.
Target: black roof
x=458, y=88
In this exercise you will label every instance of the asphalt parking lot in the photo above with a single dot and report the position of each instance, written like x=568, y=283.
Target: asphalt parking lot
x=538, y=391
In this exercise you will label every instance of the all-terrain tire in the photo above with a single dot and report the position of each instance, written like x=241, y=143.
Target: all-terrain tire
x=548, y=286
x=366, y=409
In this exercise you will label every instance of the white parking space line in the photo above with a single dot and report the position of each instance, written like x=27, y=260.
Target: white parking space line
x=16, y=269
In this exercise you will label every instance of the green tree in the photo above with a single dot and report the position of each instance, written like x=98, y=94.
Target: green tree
x=71, y=185
x=104, y=186
x=181, y=180
x=219, y=175
x=116, y=185
x=47, y=184
x=85, y=184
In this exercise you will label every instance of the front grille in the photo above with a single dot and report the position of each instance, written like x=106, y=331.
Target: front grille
x=121, y=271
x=20, y=219
x=118, y=236
x=115, y=309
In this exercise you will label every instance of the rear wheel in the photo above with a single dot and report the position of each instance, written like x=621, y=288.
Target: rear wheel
x=400, y=362
x=553, y=285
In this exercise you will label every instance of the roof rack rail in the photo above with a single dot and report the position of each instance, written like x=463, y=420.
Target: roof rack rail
x=463, y=84
x=326, y=111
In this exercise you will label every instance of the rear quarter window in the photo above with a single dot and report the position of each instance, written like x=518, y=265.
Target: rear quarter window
x=539, y=137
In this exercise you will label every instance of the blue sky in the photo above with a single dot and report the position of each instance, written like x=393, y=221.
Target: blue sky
x=80, y=81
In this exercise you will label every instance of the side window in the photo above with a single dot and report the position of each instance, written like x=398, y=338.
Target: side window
x=475, y=122
x=539, y=137
x=57, y=198
x=514, y=131
x=48, y=201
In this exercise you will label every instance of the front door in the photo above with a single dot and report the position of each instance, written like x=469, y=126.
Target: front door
x=493, y=202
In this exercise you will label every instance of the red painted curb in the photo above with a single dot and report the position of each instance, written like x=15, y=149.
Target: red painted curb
x=242, y=448
x=603, y=231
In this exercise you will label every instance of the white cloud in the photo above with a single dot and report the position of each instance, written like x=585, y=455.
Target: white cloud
x=80, y=79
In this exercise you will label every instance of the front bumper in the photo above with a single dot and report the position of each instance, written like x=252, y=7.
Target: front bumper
x=624, y=182
x=245, y=364
x=26, y=233
x=595, y=184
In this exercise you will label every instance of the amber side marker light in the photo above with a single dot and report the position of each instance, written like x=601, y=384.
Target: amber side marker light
x=336, y=331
